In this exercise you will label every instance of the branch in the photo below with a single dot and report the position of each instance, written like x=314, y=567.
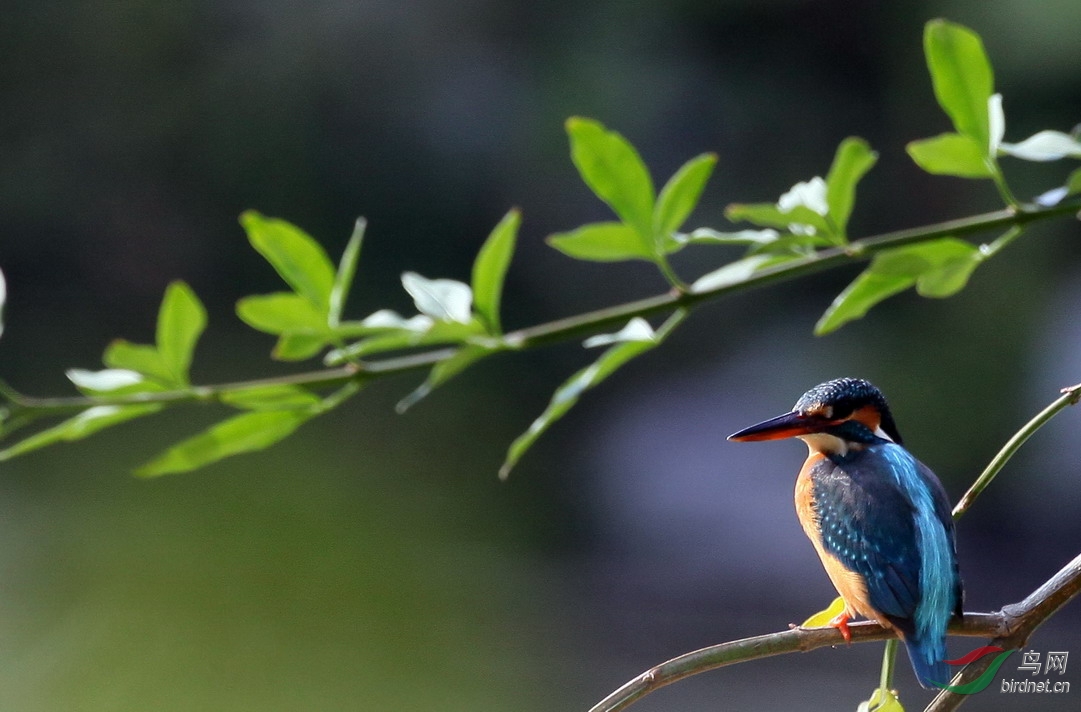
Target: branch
x=824, y=259
x=1010, y=627
x=1070, y=396
x=563, y=329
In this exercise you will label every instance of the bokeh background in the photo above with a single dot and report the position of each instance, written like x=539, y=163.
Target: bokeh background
x=373, y=561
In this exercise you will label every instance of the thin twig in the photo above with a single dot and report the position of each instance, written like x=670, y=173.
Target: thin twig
x=1070, y=396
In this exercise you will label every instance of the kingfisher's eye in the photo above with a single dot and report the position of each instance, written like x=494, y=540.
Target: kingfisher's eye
x=840, y=411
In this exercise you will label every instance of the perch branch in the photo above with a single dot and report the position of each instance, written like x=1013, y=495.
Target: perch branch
x=1009, y=627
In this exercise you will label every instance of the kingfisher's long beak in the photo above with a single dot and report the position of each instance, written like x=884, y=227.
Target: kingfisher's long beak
x=788, y=425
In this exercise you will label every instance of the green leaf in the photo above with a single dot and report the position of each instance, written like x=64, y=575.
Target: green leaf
x=791, y=245
x=449, y=332
x=382, y=321
x=347, y=269
x=438, y=332
x=614, y=171
x=242, y=433
x=681, y=193
x=490, y=270
x=962, y=77
x=761, y=214
x=297, y=347
x=868, y=289
x=301, y=261
x=853, y=159
x=278, y=396
x=568, y=394
x=952, y=155
x=444, y=371
x=387, y=341
x=354, y=329
x=80, y=426
x=950, y=263
x=181, y=322
x=281, y=313
x=881, y=701
x=602, y=242
x=769, y=215
x=142, y=358
x=937, y=269
x=1073, y=182
x=824, y=617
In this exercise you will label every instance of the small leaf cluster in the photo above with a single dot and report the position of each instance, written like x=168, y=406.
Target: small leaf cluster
x=647, y=225
x=964, y=87
x=963, y=82
x=308, y=317
x=132, y=370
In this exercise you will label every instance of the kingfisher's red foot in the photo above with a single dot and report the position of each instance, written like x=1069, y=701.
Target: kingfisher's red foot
x=840, y=622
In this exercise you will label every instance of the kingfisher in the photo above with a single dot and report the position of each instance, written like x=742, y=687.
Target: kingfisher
x=879, y=518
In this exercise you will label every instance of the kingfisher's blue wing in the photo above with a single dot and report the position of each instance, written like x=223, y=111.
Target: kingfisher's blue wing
x=867, y=522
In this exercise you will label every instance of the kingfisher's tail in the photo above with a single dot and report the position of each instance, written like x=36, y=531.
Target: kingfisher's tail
x=929, y=662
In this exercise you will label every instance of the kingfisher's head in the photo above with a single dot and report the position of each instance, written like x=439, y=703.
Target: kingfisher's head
x=832, y=417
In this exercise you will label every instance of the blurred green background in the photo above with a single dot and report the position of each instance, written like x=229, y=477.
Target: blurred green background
x=373, y=561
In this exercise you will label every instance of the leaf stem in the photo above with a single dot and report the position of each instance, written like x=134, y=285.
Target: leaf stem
x=889, y=660
x=988, y=251
x=670, y=274
x=1000, y=183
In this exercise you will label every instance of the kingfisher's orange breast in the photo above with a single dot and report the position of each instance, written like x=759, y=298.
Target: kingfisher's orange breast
x=805, y=498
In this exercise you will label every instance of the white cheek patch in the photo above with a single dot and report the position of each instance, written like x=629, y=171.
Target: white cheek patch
x=825, y=443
